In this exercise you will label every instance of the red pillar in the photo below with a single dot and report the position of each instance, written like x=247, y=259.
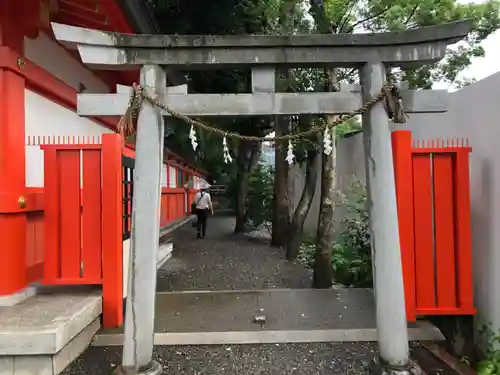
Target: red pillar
x=403, y=175
x=112, y=242
x=17, y=19
x=12, y=155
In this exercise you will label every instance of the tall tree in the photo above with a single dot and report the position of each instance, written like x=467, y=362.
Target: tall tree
x=347, y=16
x=220, y=17
x=291, y=20
x=323, y=272
x=308, y=152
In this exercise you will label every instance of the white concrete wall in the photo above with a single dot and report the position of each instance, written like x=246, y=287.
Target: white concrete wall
x=172, y=182
x=46, y=118
x=164, y=176
x=350, y=160
x=474, y=114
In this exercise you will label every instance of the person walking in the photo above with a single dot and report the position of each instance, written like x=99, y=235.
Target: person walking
x=203, y=203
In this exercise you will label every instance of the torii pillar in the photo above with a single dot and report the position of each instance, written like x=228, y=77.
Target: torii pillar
x=373, y=53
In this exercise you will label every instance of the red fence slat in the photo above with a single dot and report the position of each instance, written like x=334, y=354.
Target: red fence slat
x=424, y=257
x=91, y=229
x=112, y=242
x=69, y=164
x=52, y=218
x=463, y=232
x=444, y=241
x=403, y=174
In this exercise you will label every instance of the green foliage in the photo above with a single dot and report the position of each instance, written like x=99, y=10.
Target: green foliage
x=260, y=196
x=348, y=127
x=392, y=15
x=290, y=17
x=491, y=364
x=224, y=17
x=346, y=16
x=351, y=254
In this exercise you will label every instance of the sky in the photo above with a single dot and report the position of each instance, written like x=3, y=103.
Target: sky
x=482, y=67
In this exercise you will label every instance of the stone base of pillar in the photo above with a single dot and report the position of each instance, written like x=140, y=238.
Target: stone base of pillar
x=377, y=368
x=154, y=368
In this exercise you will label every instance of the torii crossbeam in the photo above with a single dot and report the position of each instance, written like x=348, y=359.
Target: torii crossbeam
x=371, y=53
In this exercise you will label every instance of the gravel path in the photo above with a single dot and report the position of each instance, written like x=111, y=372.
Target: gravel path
x=224, y=261
x=274, y=359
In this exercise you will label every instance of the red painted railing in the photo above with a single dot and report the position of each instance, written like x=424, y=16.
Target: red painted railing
x=432, y=189
x=173, y=205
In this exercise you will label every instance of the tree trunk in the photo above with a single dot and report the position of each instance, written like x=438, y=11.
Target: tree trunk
x=282, y=209
x=300, y=214
x=248, y=155
x=323, y=272
x=281, y=212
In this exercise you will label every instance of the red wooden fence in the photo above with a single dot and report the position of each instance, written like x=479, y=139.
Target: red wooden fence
x=173, y=205
x=83, y=219
x=432, y=189
x=75, y=237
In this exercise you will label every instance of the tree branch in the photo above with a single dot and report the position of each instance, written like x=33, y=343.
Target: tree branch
x=369, y=18
x=345, y=17
x=412, y=13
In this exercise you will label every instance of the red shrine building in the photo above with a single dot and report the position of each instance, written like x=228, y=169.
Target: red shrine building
x=66, y=182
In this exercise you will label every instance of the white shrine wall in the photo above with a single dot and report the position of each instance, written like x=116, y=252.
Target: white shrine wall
x=172, y=178
x=47, y=118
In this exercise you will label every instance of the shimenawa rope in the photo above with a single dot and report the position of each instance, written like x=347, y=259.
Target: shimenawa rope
x=128, y=122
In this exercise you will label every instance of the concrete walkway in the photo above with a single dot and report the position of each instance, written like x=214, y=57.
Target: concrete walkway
x=224, y=261
x=209, y=295
x=266, y=316
x=212, y=291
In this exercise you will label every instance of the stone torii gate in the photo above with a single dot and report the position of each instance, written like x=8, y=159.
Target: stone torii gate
x=371, y=53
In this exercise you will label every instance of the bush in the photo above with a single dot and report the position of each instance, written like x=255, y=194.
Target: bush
x=491, y=364
x=351, y=253
x=351, y=258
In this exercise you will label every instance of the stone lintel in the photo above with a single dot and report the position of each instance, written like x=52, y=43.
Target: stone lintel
x=348, y=87
x=181, y=89
x=261, y=104
x=120, y=51
x=263, y=79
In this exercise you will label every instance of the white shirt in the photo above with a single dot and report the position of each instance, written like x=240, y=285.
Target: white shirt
x=202, y=201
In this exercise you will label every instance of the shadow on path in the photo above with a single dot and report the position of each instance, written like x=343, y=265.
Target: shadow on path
x=225, y=261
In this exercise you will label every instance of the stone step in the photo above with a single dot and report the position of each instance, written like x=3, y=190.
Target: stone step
x=164, y=254
x=289, y=316
x=45, y=333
